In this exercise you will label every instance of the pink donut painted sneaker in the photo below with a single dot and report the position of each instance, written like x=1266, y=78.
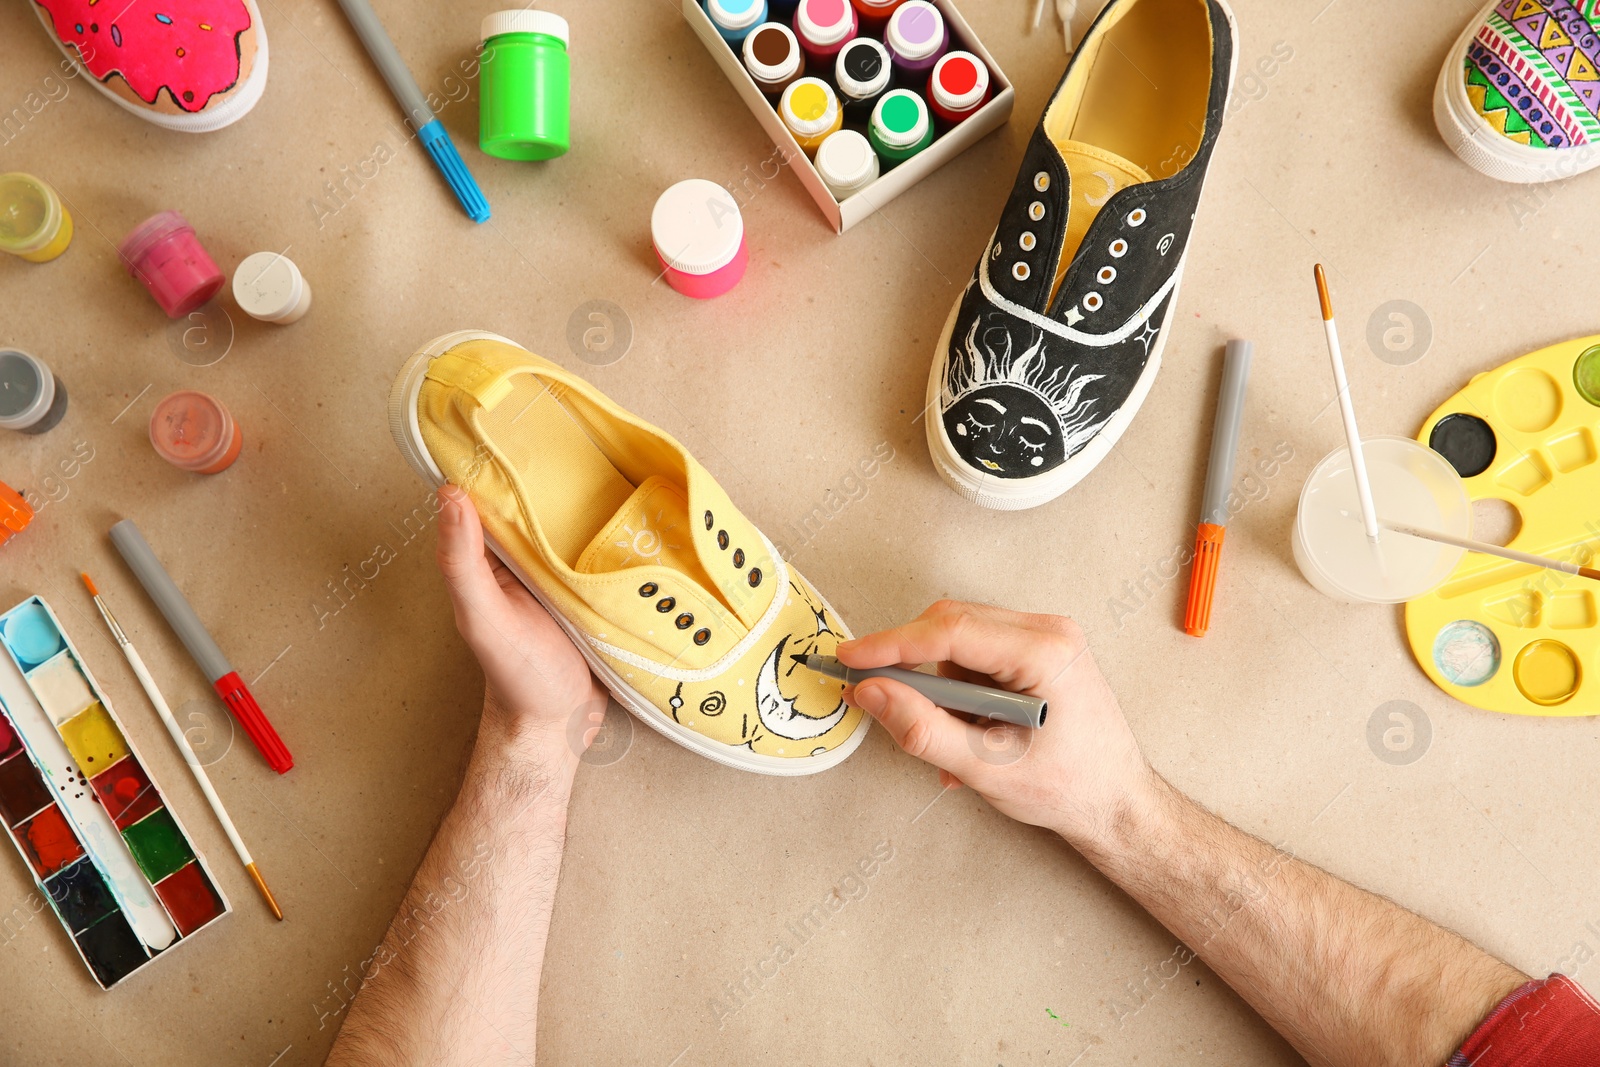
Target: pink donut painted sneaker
x=191, y=65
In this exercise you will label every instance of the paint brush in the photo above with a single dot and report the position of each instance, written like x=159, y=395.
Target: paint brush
x=160, y=703
x=1488, y=549
x=1358, y=461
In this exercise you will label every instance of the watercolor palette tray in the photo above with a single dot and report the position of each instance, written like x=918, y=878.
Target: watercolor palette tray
x=116, y=865
x=1506, y=636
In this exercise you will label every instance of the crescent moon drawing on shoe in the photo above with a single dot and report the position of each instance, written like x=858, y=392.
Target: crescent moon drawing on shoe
x=778, y=713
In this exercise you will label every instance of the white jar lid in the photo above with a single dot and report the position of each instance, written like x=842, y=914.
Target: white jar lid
x=846, y=160
x=772, y=71
x=916, y=29
x=812, y=122
x=521, y=20
x=27, y=389
x=267, y=285
x=961, y=66
x=736, y=14
x=696, y=226
x=868, y=59
x=894, y=101
x=825, y=21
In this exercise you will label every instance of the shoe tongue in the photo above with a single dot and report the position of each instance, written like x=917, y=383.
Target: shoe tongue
x=650, y=529
x=1096, y=175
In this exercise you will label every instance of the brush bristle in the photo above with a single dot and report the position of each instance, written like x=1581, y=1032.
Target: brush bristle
x=89, y=583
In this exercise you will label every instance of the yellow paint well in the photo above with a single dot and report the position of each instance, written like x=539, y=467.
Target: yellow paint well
x=93, y=739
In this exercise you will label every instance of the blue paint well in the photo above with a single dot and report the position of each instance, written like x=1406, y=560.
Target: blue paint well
x=32, y=635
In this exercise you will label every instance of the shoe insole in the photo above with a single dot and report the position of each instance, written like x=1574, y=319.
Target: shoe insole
x=573, y=490
x=1136, y=107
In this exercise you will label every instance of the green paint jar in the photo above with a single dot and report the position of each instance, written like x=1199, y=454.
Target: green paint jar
x=524, y=85
x=900, y=127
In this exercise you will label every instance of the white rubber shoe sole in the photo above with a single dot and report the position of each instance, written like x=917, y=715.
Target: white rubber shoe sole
x=408, y=438
x=1483, y=148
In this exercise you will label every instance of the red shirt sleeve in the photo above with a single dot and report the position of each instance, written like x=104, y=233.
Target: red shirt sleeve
x=1553, y=1023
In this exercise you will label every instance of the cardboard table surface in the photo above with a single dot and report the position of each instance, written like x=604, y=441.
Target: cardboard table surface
x=977, y=940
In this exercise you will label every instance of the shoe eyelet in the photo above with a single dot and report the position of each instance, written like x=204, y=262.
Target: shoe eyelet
x=1027, y=241
x=701, y=636
x=722, y=540
x=649, y=589
x=1119, y=248
x=738, y=557
x=684, y=621
x=755, y=577
x=666, y=604
x=1020, y=271
x=1106, y=276
x=1092, y=301
x=1036, y=211
x=1041, y=181
x=709, y=520
x=1136, y=217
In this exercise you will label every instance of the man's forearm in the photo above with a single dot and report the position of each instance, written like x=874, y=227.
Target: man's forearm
x=1347, y=977
x=456, y=980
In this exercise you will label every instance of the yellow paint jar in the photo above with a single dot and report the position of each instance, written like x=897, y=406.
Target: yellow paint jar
x=810, y=109
x=34, y=223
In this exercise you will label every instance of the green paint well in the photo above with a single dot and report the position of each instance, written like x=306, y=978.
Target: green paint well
x=158, y=846
x=1586, y=375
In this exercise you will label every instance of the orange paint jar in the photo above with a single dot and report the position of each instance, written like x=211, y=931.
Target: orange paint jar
x=194, y=432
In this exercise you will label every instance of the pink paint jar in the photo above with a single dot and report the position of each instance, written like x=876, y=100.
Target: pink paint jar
x=194, y=432
x=164, y=254
x=698, y=235
x=824, y=27
x=917, y=37
x=958, y=87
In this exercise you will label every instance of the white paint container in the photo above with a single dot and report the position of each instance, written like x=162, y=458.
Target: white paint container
x=268, y=286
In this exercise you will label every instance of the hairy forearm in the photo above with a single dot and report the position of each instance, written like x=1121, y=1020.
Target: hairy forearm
x=1347, y=977
x=456, y=980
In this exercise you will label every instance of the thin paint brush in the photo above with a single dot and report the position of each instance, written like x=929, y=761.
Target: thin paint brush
x=200, y=776
x=1493, y=550
x=1358, y=460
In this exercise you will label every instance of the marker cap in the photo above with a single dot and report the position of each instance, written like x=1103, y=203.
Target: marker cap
x=809, y=107
x=959, y=81
x=27, y=389
x=900, y=119
x=846, y=162
x=736, y=14
x=696, y=227
x=916, y=30
x=521, y=20
x=15, y=514
x=862, y=68
x=825, y=22
x=771, y=52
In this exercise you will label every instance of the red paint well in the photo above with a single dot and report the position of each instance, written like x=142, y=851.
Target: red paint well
x=958, y=77
x=48, y=841
x=126, y=792
x=189, y=897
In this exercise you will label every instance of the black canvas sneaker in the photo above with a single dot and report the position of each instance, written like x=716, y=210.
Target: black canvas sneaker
x=1056, y=340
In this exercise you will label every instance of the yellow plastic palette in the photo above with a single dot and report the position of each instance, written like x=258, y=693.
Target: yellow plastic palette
x=1506, y=636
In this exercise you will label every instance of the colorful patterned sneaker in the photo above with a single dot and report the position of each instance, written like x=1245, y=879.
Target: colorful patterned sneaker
x=1051, y=349
x=681, y=606
x=1520, y=91
x=191, y=65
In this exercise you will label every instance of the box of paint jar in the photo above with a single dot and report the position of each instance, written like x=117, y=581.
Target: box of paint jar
x=864, y=97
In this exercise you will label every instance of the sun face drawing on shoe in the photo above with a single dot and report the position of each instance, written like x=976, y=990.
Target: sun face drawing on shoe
x=1009, y=413
x=196, y=50
x=789, y=711
x=643, y=541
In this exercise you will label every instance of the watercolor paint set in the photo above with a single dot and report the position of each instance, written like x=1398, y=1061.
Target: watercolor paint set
x=116, y=864
x=868, y=171
x=1501, y=635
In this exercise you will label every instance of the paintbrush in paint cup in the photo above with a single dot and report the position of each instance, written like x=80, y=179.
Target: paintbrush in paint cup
x=159, y=702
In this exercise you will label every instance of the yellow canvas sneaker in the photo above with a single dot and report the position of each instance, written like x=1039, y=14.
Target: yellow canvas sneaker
x=682, y=607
